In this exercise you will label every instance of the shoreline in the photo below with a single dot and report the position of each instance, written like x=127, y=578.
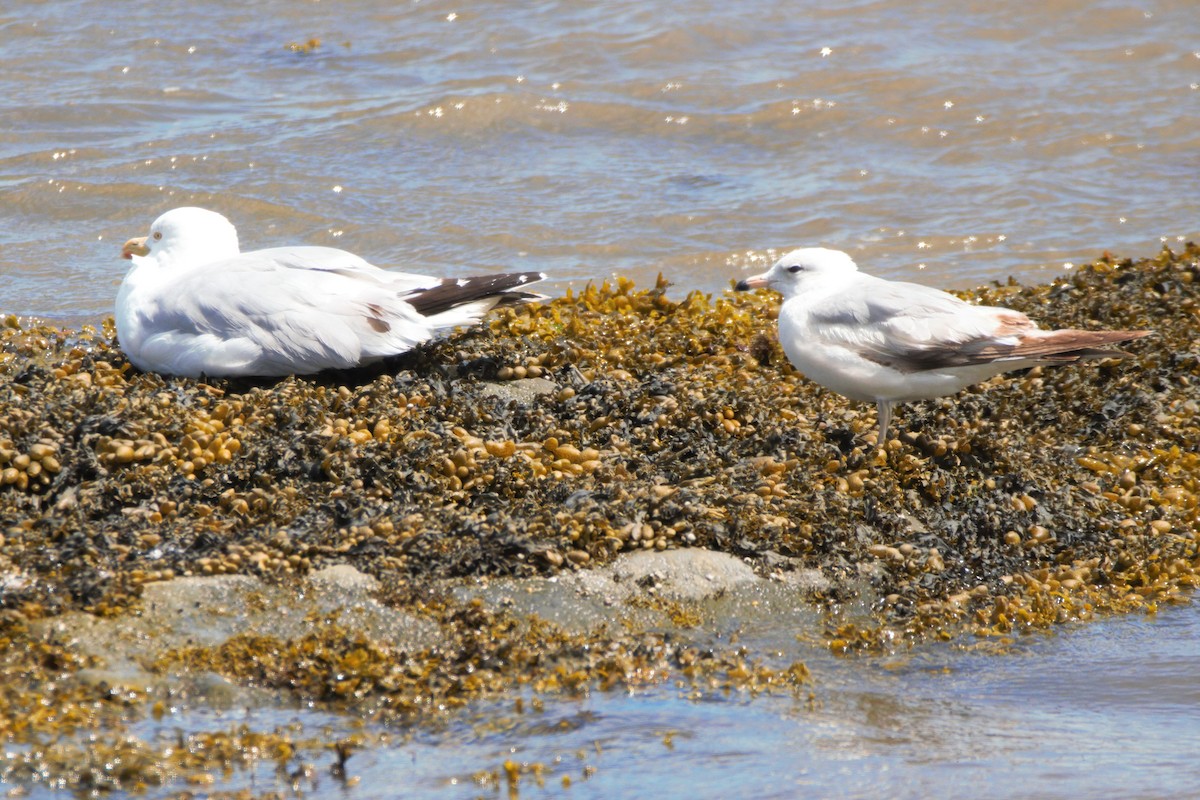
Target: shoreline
x=555, y=445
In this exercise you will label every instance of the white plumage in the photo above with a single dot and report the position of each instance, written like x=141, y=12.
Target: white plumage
x=889, y=342
x=193, y=304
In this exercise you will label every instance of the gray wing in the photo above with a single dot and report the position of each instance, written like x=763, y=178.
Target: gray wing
x=913, y=328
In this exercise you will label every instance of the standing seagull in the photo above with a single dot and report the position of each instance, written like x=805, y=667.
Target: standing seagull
x=193, y=304
x=889, y=342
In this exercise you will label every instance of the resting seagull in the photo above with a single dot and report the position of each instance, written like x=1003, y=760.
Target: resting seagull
x=193, y=304
x=888, y=342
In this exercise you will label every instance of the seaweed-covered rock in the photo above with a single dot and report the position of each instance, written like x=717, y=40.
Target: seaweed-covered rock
x=653, y=424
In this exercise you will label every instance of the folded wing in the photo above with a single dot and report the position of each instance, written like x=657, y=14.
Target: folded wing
x=305, y=309
x=913, y=328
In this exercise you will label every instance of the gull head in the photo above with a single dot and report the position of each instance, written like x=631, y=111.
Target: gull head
x=799, y=268
x=185, y=237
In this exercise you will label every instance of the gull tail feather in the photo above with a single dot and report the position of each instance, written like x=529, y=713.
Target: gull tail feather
x=1072, y=345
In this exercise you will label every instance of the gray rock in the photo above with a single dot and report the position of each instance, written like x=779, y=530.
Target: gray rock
x=343, y=577
x=691, y=573
x=721, y=588
x=208, y=611
x=522, y=391
x=810, y=581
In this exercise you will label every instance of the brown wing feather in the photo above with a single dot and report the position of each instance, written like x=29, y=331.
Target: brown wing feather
x=1062, y=346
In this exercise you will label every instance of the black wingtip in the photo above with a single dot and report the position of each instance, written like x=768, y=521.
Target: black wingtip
x=507, y=287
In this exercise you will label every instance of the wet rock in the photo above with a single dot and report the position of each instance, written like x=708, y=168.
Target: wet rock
x=343, y=578
x=523, y=390
x=689, y=574
x=653, y=589
x=207, y=612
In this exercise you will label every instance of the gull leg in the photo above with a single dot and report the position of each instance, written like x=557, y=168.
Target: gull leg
x=884, y=412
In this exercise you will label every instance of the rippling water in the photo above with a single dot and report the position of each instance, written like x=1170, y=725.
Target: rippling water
x=1103, y=710
x=969, y=140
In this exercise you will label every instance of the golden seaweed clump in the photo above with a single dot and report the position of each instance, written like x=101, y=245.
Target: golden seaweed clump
x=306, y=47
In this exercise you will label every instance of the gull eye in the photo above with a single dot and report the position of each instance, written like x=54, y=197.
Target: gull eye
x=795, y=268
x=157, y=235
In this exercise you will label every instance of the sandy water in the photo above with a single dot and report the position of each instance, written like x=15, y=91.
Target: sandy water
x=1102, y=710
x=957, y=143
x=1106, y=710
x=953, y=143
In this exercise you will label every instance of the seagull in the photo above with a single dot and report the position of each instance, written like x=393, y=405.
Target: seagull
x=194, y=305
x=889, y=342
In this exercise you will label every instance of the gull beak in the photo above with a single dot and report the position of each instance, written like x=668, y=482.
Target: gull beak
x=753, y=282
x=135, y=247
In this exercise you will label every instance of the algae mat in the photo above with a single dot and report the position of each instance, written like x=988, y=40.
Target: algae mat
x=555, y=441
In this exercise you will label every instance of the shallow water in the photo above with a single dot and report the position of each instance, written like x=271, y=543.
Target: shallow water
x=968, y=141
x=1107, y=709
x=1103, y=710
